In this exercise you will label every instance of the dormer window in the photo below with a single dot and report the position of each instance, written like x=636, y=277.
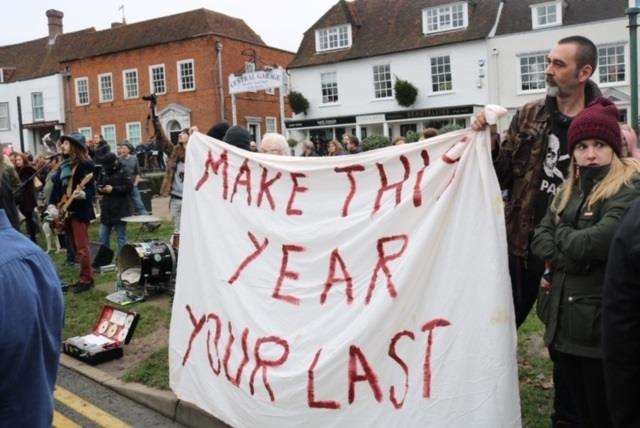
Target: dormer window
x=332, y=38
x=546, y=14
x=447, y=17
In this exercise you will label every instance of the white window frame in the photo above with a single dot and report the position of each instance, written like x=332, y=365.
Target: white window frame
x=128, y=132
x=625, y=47
x=34, y=107
x=100, y=88
x=124, y=84
x=330, y=103
x=431, y=92
x=339, y=44
x=84, y=132
x=164, y=74
x=1, y=75
x=269, y=119
x=115, y=135
x=373, y=73
x=8, y=128
x=442, y=9
x=519, y=57
x=179, y=73
x=249, y=67
x=534, y=14
x=76, y=81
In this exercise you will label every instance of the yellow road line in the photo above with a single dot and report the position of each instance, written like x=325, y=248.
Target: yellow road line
x=87, y=409
x=61, y=421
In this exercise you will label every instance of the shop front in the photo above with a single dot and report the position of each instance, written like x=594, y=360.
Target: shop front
x=392, y=125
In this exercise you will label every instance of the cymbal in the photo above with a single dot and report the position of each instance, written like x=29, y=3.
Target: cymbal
x=141, y=219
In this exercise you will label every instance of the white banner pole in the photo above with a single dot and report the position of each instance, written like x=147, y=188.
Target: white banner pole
x=233, y=109
x=281, y=92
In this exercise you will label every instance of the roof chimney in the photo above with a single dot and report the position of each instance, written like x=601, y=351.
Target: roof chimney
x=54, y=19
x=117, y=24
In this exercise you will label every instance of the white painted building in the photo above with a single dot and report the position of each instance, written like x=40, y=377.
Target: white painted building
x=42, y=105
x=347, y=66
x=529, y=29
x=31, y=72
x=478, y=52
x=355, y=83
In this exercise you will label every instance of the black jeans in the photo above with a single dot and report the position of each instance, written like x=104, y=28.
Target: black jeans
x=32, y=227
x=565, y=412
x=585, y=379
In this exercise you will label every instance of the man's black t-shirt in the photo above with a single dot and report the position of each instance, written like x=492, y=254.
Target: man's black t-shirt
x=556, y=160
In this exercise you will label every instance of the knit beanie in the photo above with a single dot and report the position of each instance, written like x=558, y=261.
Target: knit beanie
x=239, y=137
x=598, y=121
x=218, y=130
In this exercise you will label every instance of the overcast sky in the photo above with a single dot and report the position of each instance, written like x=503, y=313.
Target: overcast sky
x=280, y=23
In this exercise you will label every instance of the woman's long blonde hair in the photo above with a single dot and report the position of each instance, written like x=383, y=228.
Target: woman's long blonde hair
x=621, y=173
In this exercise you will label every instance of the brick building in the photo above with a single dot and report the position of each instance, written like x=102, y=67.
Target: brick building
x=185, y=59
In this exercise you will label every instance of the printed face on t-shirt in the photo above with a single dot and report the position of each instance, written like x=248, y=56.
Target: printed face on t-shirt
x=553, y=165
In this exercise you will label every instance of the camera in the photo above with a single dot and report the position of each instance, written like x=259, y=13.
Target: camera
x=153, y=98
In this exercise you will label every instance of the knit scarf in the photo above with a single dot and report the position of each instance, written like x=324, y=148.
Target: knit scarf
x=66, y=171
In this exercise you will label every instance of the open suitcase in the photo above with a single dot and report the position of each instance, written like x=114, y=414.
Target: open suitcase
x=111, y=332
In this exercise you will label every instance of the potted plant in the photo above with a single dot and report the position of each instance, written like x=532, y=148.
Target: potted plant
x=298, y=102
x=406, y=93
x=375, y=142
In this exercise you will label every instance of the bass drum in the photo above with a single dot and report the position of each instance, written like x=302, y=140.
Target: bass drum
x=147, y=268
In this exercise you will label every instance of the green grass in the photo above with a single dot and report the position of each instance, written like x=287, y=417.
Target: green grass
x=82, y=310
x=535, y=372
x=153, y=372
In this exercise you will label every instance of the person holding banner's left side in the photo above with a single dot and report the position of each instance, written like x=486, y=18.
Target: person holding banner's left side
x=573, y=240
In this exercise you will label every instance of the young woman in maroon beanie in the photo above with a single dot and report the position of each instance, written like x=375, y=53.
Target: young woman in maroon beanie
x=573, y=241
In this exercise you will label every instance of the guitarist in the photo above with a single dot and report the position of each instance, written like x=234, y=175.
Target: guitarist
x=75, y=166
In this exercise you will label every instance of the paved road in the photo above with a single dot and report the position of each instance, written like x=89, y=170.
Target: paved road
x=82, y=402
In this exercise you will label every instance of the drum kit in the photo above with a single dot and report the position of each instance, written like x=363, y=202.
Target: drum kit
x=149, y=267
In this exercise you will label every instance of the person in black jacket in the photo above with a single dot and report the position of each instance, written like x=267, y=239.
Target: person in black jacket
x=27, y=201
x=73, y=169
x=98, y=149
x=621, y=322
x=115, y=186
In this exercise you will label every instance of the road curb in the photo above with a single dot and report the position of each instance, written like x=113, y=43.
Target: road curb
x=163, y=402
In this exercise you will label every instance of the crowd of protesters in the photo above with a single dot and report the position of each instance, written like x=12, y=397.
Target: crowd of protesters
x=570, y=176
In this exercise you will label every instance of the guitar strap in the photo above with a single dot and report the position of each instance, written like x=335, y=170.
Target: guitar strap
x=70, y=183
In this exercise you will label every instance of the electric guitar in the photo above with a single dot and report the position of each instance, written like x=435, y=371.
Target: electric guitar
x=60, y=222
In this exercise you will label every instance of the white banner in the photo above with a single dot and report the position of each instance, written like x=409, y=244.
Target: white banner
x=256, y=81
x=364, y=290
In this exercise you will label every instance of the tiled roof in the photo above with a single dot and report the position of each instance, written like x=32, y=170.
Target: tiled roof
x=516, y=14
x=37, y=58
x=166, y=29
x=382, y=27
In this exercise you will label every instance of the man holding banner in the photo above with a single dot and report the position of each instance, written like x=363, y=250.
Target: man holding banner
x=329, y=291
x=531, y=163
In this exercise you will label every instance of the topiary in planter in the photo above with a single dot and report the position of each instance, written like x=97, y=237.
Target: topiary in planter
x=375, y=142
x=449, y=128
x=292, y=142
x=412, y=137
x=298, y=103
x=406, y=93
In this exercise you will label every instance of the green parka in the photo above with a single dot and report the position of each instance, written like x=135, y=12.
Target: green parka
x=577, y=245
